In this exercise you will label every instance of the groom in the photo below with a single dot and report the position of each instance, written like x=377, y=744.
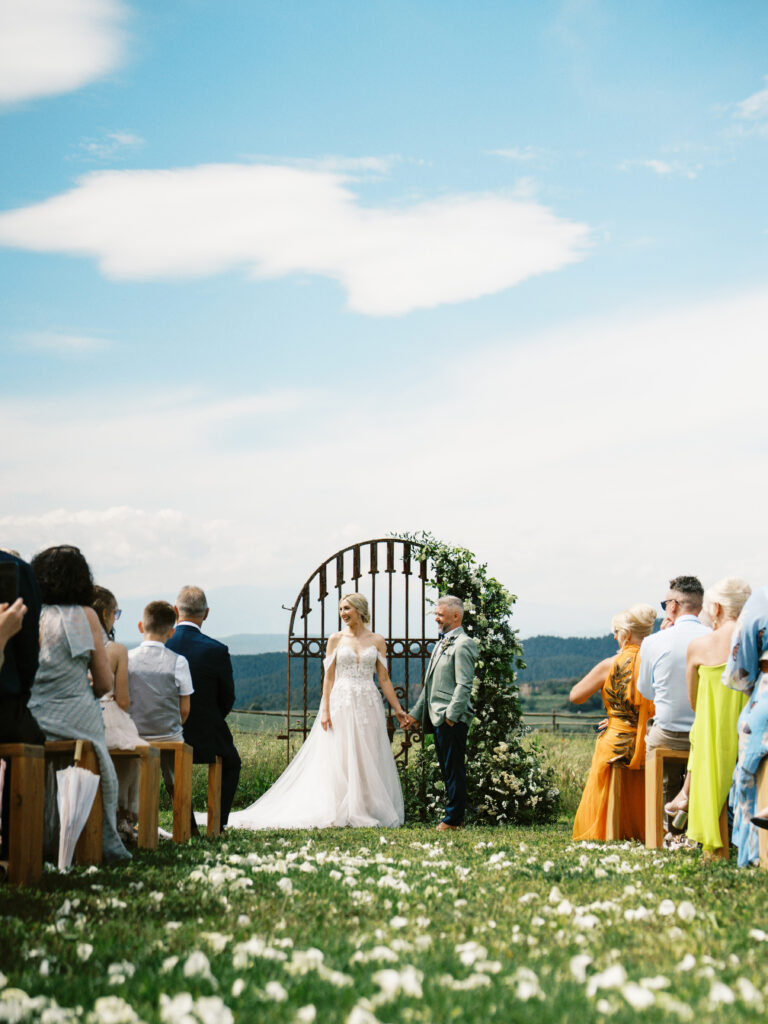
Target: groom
x=444, y=706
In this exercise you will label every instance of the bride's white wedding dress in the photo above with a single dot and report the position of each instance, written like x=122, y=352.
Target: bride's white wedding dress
x=345, y=775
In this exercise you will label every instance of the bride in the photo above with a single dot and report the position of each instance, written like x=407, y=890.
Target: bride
x=344, y=774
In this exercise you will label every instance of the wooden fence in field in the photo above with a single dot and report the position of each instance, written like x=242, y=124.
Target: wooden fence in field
x=554, y=721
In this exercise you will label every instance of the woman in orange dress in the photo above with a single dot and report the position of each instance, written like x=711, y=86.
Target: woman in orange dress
x=622, y=740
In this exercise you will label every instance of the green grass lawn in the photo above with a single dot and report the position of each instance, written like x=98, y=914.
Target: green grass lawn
x=366, y=925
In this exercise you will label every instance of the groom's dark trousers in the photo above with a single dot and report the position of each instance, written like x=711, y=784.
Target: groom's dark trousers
x=451, y=744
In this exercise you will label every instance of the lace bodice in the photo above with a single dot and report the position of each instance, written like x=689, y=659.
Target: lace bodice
x=353, y=684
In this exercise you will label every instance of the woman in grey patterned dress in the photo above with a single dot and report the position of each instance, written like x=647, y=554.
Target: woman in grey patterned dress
x=63, y=701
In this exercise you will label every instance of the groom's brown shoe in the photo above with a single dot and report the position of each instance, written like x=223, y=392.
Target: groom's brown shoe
x=445, y=827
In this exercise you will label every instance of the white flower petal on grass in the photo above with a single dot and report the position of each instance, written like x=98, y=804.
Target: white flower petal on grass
x=285, y=885
x=578, y=966
x=720, y=993
x=84, y=950
x=238, y=987
x=393, y=983
x=45, y=969
x=528, y=896
x=687, y=963
x=471, y=951
x=639, y=998
x=216, y=940
x=666, y=907
x=656, y=983
x=398, y=921
x=274, y=990
x=112, y=1010
x=360, y=1014
x=526, y=984
x=748, y=993
x=119, y=972
x=168, y=964
x=197, y=965
x=759, y=934
x=686, y=911
x=306, y=1014
x=611, y=977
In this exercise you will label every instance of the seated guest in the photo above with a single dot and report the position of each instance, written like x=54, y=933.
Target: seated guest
x=662, y=673
x=62, y=701
x=159, y=684
x=623, y=739
x=20, y=657
x=120, y=728
x=206, y=729
x=747, y=672
x=714, y=736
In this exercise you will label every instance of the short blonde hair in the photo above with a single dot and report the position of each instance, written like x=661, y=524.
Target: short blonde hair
x=360, y=603
x=730, y=593
x=637, y=619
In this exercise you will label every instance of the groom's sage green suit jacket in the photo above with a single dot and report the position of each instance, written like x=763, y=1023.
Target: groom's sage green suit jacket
x=447, y=688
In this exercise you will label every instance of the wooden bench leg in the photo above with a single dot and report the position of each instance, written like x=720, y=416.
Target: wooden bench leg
x=724, y=850
x=762, y=803
x=89, y=849
x=182, y=793
x=654, y=795
x=214, y=797
x=613, y=814
x=25, y=774
x=149, y=799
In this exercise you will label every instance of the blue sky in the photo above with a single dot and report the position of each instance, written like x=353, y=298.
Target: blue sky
x=268, y=268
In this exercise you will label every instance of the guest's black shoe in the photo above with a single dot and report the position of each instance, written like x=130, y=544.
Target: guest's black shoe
x=760, y=821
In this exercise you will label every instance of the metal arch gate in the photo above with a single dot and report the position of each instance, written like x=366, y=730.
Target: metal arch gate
x=399, y=614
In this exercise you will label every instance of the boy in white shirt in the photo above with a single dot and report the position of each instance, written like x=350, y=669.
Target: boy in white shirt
x=160, y=684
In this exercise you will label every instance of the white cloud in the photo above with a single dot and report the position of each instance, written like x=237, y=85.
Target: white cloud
x=521, y=154
x=279, y=220
x=754, y=107
x=61, y=343
x=586, y=468
x=54, y=46
x=665, y=168
x=111, y=144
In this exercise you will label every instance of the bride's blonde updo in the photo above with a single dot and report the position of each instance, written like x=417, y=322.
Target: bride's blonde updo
x=637, y=619
x=360, y=603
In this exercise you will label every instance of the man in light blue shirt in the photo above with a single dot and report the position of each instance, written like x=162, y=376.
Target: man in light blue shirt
x=662, y=670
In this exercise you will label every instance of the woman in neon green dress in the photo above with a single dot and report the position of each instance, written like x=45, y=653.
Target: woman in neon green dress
x=714, y=736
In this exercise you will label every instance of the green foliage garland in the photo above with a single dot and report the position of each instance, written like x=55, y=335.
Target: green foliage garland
x=506, y=780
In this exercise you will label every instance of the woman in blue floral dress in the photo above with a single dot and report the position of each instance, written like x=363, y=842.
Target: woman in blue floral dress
x=747, y=671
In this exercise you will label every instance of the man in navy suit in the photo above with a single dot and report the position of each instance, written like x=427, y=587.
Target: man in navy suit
x=205, y=729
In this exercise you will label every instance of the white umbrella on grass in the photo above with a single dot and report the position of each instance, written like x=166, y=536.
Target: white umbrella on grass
x=76, y=790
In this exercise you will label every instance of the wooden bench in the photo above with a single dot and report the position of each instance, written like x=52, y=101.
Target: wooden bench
x=182, y=787
x=182, y=790
x=25, y=775
x=613, y=814
x=149, y=791
x=655, y=760
x=89, y=848
x=182, y=810
x=761, y=804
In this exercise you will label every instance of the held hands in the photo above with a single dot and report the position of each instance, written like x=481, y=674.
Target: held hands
x=406, y=721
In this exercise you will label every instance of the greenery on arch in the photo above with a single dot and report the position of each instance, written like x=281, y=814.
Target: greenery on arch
x=507, y=781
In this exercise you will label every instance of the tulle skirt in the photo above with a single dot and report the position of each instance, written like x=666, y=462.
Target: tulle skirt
x=343, y=776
